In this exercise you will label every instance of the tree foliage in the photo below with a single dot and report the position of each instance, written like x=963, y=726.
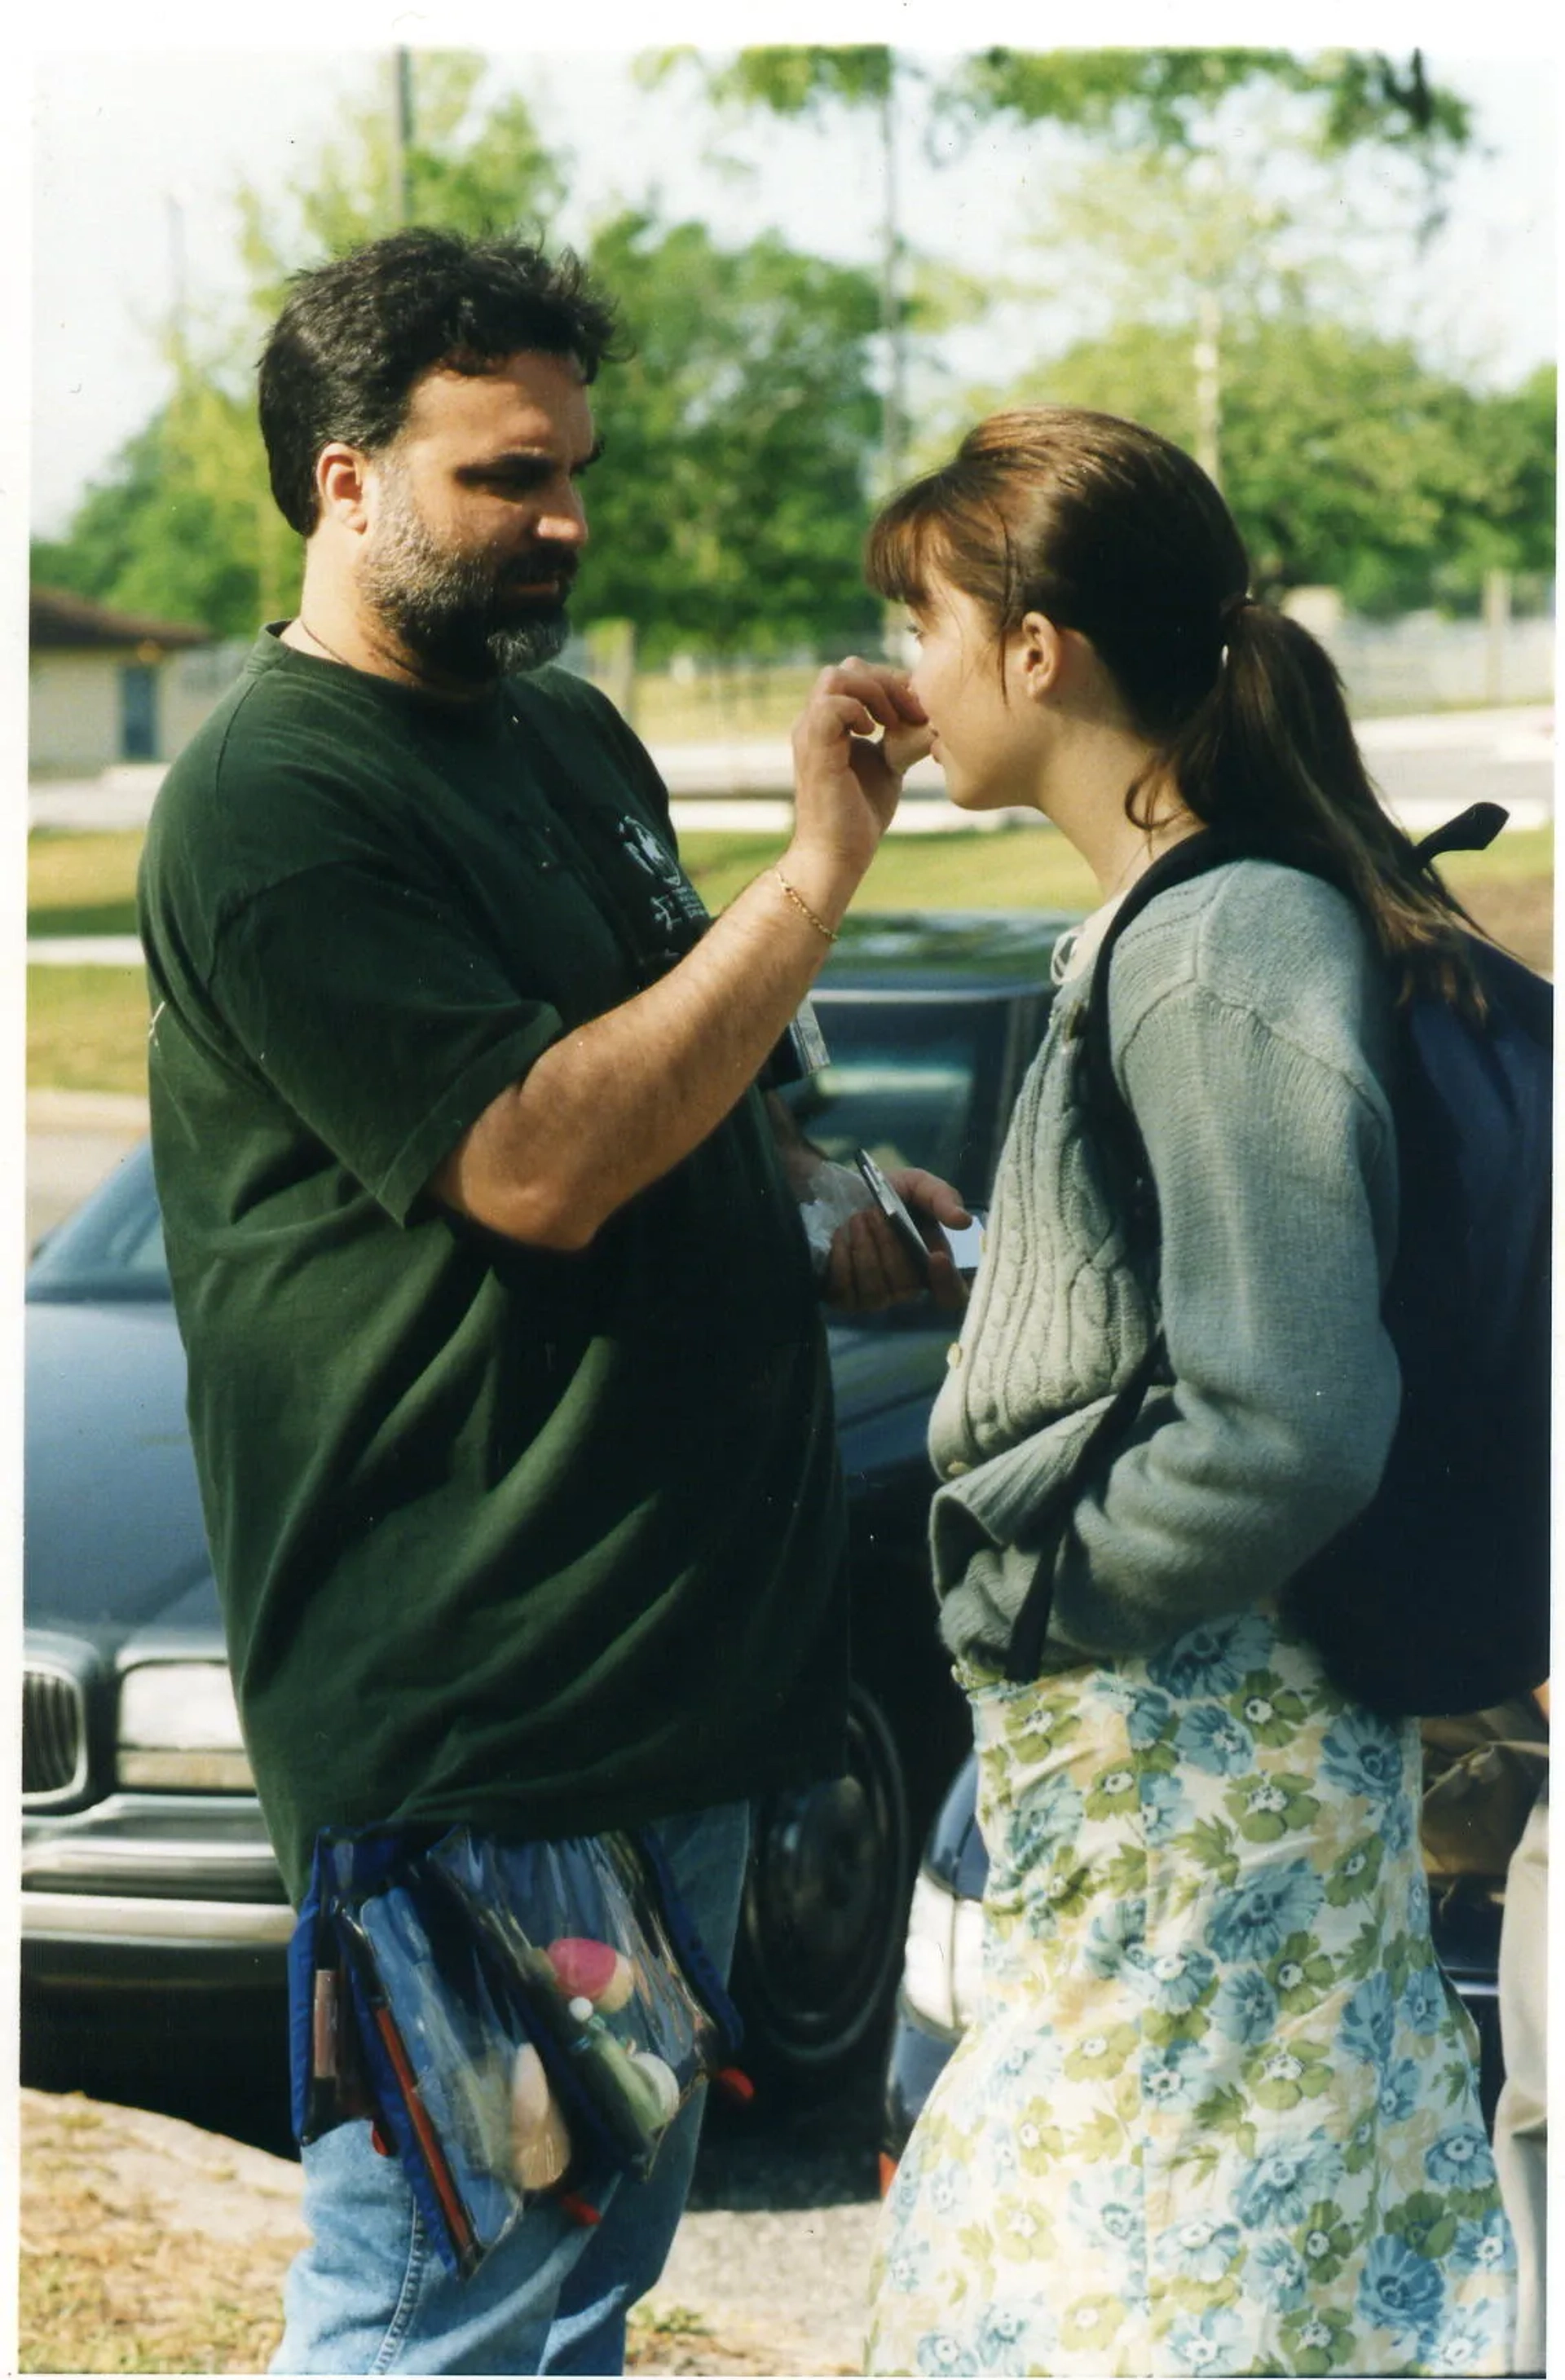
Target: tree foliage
x=1169, y=96
x=182, y=526
x=798, y=80
x=1220, y=194
x=730, y=506
x=1164, y=203
x=1150, y=232
x=1124, y=96
x=1346, y=462
x=472, y=164
x=730, y=509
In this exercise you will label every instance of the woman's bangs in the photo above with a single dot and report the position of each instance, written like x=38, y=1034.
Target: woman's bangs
x=904, y=547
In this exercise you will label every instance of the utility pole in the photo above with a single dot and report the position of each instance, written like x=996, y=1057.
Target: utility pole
x=402, y=137
x=178, y=289
x=894, y=405
x=1208, y=358
x=1496, y=629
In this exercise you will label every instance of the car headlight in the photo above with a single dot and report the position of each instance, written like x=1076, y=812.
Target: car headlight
x=179, y=1726
x=943, y=1965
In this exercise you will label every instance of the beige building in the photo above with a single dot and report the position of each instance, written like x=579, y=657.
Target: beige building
x=107, y=688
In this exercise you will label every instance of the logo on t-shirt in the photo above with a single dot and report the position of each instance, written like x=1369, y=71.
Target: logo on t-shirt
x=675, y=905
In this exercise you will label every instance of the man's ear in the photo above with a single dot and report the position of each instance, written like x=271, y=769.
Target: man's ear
x=1043, y=655
x=341, y=474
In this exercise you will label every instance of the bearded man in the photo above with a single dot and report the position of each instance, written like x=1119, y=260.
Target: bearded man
x=506, y=1379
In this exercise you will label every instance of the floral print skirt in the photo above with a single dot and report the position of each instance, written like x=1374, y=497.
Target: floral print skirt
x=1218, y=2112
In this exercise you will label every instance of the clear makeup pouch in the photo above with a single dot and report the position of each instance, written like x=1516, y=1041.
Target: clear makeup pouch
x=518, y=2020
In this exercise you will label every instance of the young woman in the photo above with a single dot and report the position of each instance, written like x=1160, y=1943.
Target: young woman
x=1218, y=2112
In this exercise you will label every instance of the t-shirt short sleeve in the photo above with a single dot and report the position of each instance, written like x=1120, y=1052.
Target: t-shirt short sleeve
x=385, y=1024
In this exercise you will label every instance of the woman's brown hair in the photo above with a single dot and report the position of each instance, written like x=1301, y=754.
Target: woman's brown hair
x=1109, y=529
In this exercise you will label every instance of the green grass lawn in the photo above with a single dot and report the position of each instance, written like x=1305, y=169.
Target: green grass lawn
x=86, y=884
x=81, y=883
x=998, y=868
x=86, y=1029
x=87, y=1026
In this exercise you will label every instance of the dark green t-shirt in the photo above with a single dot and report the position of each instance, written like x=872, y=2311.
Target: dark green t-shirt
x=542, y=1542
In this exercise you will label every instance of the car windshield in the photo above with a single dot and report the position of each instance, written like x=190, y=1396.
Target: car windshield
x=911, y=1079
x=112, y=1246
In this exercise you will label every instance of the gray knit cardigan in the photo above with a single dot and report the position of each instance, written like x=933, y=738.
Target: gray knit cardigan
x=1251, y=1032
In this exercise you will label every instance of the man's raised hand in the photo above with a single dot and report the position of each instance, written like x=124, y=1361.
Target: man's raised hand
x=861, y=729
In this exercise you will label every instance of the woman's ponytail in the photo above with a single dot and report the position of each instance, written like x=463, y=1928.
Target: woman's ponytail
x=1270, y=757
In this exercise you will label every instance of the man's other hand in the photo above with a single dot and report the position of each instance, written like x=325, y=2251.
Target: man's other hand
x=870, y=1269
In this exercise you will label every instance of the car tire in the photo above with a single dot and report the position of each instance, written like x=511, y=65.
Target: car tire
x=824, y=1916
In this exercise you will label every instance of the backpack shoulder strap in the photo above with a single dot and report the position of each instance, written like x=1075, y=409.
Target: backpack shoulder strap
x=1474, y=829
x=1111, y=1124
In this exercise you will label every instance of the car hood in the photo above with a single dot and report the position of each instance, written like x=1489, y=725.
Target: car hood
x=893, y=1359
x=113, y=1538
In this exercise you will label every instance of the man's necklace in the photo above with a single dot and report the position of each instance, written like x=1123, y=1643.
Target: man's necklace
x=329, y=651
x=401, y=668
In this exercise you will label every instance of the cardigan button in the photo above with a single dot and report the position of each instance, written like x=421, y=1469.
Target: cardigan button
x=957, y=1470
x=953, y=1354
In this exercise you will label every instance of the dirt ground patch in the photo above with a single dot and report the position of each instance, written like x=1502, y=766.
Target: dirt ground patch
x=147, y=2245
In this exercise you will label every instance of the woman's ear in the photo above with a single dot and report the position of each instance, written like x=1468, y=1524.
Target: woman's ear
x=1041, y=655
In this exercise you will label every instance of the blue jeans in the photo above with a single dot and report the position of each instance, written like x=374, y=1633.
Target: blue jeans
x=371, y=2294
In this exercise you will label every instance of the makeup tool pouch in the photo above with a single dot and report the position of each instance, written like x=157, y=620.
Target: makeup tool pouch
x=528, y=2020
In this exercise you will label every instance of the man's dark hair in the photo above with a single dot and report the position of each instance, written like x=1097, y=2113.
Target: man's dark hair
x=355, y=334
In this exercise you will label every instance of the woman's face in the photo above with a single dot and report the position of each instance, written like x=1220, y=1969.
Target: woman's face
x=985, y=728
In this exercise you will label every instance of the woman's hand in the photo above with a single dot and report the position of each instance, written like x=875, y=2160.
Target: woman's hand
x=870, y=1269
x=847, y=773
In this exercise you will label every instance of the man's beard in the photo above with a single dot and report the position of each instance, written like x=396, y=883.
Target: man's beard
x=449, y=609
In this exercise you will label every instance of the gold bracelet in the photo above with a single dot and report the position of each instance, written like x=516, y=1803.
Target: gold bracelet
x=802, y=905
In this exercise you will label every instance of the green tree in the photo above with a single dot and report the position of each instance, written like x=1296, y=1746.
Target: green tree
x=1167, y=119
x=183, y=523
x=1132, y=97
x=1200, y=239
x=730, y=510
x=1347, y=463
x=462, y=161
x=1514, y=438
x=1167, y=97
x=806, y=81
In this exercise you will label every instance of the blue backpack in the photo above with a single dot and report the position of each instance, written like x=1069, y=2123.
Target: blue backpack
x=1436, y=1599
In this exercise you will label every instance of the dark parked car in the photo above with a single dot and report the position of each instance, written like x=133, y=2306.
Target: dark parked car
x=153, y=1918
x=1477, y=1792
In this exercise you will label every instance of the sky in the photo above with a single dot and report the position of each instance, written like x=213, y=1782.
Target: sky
x=136, y=150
